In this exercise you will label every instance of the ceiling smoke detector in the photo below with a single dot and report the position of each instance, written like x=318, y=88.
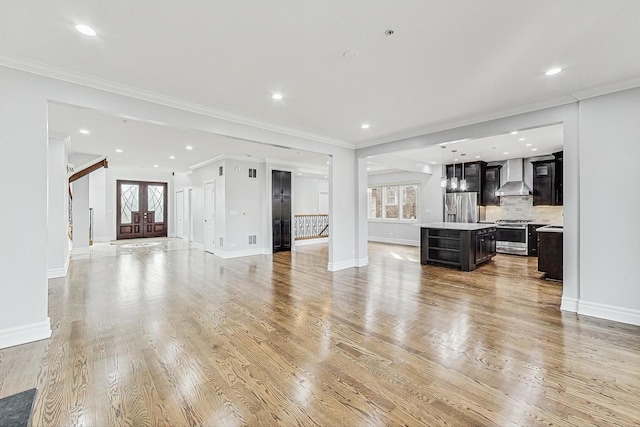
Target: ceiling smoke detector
x=389, y=33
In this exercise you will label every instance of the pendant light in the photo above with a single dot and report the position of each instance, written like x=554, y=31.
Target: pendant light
x=463, y=182
x=443, y=178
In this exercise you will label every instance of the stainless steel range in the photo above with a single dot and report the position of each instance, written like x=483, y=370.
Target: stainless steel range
x=512, y=236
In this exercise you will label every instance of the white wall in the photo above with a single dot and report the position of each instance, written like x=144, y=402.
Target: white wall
x=610, y=206
x=80, y=208
x=97, y=202
x=23, y=120
x=430, y=207
x=58, y=222
x=307, y=194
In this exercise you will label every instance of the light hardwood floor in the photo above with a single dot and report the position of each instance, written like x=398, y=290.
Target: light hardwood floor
x=166, y=335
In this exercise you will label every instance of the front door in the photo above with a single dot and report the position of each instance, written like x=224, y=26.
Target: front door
x=142, y=209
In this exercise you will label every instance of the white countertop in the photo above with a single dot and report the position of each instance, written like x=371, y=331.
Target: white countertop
x=552, y=228
x=471, y=226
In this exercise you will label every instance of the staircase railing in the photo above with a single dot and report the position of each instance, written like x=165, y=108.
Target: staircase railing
x=314, y=226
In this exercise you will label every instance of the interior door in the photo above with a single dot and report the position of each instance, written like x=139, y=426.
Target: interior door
x=142, y=209
x=180, y=214
x=281, y=210
x=209, y=217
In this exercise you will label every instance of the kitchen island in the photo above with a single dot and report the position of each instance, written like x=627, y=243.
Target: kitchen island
x=455, y=244
x=550, y=257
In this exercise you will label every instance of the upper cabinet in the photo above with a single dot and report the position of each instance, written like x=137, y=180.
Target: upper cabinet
x=473, y=174
x=490, y=186
x=547, y=181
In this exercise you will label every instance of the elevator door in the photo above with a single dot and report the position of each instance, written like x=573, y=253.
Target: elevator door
x=281, y=210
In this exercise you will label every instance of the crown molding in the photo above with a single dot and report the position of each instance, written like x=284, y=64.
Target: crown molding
x=606, y=89
x=226, y=157
x=69, y=76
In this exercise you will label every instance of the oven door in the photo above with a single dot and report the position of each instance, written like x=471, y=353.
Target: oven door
x=512, y=240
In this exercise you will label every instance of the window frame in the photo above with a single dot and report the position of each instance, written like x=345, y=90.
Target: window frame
x=399, y=199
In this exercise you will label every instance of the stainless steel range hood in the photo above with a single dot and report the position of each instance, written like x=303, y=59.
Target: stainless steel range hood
x=515, y=185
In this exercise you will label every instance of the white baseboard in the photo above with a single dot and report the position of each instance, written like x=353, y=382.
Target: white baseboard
x=24, y=334
x=55, y=273
x=394, y=241
x=102, y=239
x=609, y=312
x=362, y=262
x=342, y=265
x=306, y=242
x=238, y=254
x=80, y=251
x=197, y=246
x=569, y=304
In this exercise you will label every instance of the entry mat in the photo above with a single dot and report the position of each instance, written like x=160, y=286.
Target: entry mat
x=15, y=410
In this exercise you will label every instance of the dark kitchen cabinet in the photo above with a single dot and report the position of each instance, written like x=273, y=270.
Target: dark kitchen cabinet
x=550, y=257
x=485, y=245
x=473, y=174
x=490, y=185
x=532, y=231
x=547, y=182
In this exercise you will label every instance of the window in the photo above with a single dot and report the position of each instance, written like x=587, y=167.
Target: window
x=394, y=203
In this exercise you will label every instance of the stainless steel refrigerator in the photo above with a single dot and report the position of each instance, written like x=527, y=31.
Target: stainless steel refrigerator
x=461, y=207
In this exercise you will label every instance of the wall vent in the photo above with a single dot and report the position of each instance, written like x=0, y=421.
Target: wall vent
x=253, y=173
x=220, y=169
x=221, y=242
x=253, y=240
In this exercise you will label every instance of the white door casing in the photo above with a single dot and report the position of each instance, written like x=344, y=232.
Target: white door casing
x=209, y=217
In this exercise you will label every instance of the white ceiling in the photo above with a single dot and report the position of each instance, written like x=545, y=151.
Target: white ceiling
x=145, y=145
x=448, y=62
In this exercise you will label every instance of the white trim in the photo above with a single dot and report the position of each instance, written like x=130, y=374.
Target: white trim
x=227, y=157
x=342, y=265
x=362, y=262
x=394, y=241
x=56, y=273
x=609, y=312
x=239, y=254
x=306, y=242
x=198, y=246
x=569, y=304
x=80, y=251
x=24, y=334
x=120, y=89
x=102, y=239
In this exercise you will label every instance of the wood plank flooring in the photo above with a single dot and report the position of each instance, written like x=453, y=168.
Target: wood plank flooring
x=177, y=337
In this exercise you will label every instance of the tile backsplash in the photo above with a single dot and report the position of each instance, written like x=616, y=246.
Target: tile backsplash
x=521, y=207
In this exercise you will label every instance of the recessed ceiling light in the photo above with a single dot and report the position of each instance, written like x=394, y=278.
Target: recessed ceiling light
x=86, y=30
x=527, y=145
x=477, y=157
x=433, y=163
x=172, y=157
x=515, y=132
x=534, y=149
x=188, y=147
x=553, y=71
x=327, y=161
x=455, y=160
x=326, y=176
x=365, y=126
x=368, y=169
x=506, y=152
x=118, y=150
x=521, y=139
x=155, y=166
x=84, y=131
x=276, y=96
x=299, y=173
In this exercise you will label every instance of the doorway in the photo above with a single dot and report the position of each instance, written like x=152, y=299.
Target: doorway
x=141, y=209
x=281, y=210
